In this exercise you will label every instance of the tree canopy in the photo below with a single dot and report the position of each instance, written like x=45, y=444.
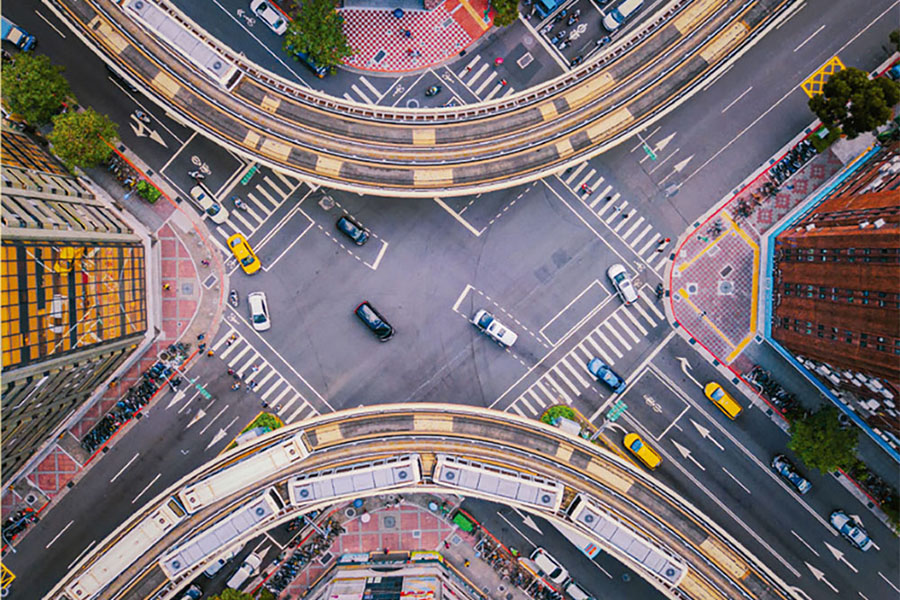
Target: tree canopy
x=76, y=138
x=853, y=103
x=506, y=12
x=317, y=29
x=34, y=88
x=230, y=594
x=821, y=442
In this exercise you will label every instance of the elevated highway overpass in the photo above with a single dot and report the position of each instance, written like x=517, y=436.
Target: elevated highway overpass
x=715, y=566
x=426, y=152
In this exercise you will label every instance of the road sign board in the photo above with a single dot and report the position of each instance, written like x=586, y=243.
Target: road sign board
x=649, y=151
x=246, y=178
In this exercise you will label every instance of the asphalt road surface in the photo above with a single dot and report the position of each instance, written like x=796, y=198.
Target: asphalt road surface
x=536, y=256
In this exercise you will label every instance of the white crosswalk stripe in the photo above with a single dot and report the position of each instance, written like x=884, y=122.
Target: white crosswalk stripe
x=608, y=341
x=250, y=366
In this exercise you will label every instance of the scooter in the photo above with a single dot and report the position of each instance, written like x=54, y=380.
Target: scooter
x=196, y=175
x=233, y=298
x=240, y=204
x=659, y=291
x=431, y=91
x=142, y=117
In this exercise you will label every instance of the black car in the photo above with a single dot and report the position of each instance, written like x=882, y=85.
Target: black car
x=374, y=321
x=352, y=229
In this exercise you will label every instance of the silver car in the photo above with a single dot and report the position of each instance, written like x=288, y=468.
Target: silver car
x=269, y=15
x=259, y=311
x=620, y=280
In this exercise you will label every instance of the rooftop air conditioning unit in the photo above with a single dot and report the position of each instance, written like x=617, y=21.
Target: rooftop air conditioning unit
x=879, y=223
x=863, y=224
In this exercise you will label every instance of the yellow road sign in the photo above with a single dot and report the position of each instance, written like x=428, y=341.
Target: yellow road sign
x=813, y=84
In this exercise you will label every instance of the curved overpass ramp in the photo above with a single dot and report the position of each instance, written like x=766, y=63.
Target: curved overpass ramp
x=717, y=566
x=424, y=153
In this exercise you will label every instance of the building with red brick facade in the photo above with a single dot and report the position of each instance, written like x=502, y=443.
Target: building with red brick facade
x=836, y=287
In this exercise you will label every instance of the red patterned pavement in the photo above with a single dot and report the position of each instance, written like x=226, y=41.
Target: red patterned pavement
x=405, y=527
x=382, y=44
x=715, y=278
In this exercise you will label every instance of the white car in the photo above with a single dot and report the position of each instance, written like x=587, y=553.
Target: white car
x=493, y=328
x=549, y=566
x=269, y=15
x=259, y=311
x=619, y=277
x=216, y=212
x=851, y=531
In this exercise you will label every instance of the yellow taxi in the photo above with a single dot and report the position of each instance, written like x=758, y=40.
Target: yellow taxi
x=243, y=253
x=722, y=399
x=645, y=453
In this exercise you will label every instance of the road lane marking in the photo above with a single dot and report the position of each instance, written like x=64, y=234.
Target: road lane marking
x=743, y=487
x=146, y=488
x=889, y=582
x=735, y=101
x=626, y=328
x=122, y=470
x=456, y=216
x=600, y=352
x=59, y=534
x=810, y=548
x=374, y=266
x=814, y=34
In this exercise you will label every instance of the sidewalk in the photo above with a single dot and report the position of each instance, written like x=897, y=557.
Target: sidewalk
x=191, y=306
x=385, y=528
x=417, y=40
x=717, y=284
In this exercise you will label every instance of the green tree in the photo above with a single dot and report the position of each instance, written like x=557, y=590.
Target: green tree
x=853, y=103
x=894, y=38
x=821, y=442
x=318, y=29
x=33, y=87
x=506, y=12
x=558, y=411
x=230, y=594
x=76, y=138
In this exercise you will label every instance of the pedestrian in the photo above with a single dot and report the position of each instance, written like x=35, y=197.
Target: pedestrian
x=468, y=69
x=231, y=372
x=446, y=544
x=625, y=216
x=703, y=238
x=254, y=369
x=204, y=262
x=502, y=82
x=387, y=550
x=608, y=198
x=467, y=563
x=167, y=287
x=202, y=346
x=663, y=241
x=200, y=336
x=498, y=61
x=265, y=404
x=210, y=353
x=617, y=209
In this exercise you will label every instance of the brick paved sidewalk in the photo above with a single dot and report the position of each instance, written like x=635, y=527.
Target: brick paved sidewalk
x=715, y=278
x=417, y=40
x=188, y=308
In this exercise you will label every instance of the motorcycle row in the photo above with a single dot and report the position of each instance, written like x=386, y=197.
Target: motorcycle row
x=799, y=155
x=137, y=397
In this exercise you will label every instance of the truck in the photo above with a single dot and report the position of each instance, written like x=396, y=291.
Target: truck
x=16, y=35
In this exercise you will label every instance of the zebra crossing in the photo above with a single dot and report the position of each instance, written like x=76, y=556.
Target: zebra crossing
x=272, y=388
x=480, y=76
x=605, y=202
x=365, y=92
x=266, y=192
x=609, y=341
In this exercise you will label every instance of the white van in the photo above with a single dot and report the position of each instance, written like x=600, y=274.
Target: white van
x=576, y=592
x=216, y=565
x=621, y=13
x=247, y=570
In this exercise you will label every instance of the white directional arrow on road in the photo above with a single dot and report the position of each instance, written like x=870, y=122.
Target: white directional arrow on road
x=200, y=414
x=141, y=130
x=663, y=142
x=704, y=433
x=219, y=435
x=820, y=576
x=176, y=399
x=686, y=366
x=680, y=166
x=527, y=520
x=687, y=454
x=839, y=556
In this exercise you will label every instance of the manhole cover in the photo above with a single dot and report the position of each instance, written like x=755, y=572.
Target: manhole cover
x=691, y=288
x=412, y=103
x=327, y=202
x=389, y=522
x=350, y=512
x=726, y=288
